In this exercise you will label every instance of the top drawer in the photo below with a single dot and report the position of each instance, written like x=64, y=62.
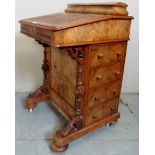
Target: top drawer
x=107, y=53
x=26, y=29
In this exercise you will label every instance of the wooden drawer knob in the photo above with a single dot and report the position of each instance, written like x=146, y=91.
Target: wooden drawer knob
x=100, y=56
x=112, y=109
x=118, y=54
x=114, y=92
x=94, y=117
x=96, y=99
x=117, y=73
x=98, y=77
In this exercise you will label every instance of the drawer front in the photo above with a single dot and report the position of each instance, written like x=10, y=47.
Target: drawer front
x=106, y=74
x=101, y=111
x=107, y=53
x=103, y=94
x=26, y=29
x=43, y=35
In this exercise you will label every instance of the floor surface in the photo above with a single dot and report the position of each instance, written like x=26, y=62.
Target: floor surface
x=34, y=131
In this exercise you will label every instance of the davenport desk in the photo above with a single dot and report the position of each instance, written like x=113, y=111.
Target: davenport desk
x=84, y=56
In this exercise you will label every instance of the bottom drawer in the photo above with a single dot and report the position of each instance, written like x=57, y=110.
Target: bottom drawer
x=101, y=111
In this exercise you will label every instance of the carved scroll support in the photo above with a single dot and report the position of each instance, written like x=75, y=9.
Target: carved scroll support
x=42, y=93
x=76, y=123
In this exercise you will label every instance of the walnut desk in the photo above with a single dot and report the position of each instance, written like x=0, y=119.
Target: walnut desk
x=84, y=56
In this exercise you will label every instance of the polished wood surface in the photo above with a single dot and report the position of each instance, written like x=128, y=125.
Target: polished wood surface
x=59, y=21
x=77, y=29
x=42, y=93
x=104, y=93
x=61, y=105
x=101, y=111
x=111, y=8
x=89, y=33
x=106, y=74
x=121, y=4
x=107, y=53
x=84, y=57
x=63, y=75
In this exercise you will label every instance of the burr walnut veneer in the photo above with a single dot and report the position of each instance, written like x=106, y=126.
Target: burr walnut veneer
x=84, y=56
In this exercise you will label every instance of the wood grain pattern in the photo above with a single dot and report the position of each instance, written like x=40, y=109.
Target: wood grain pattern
x=115, y=29
x=60, y=21
x=121, y=4
x=117, y=8
x=103, y=93
x=107, y=53
x=88, y=29
x=43, y=35
x=107, y=74
x=101, y=111
x=63, y=75
x=76, y=135
x=83, y=65
x=27, y=29
x=62, y=106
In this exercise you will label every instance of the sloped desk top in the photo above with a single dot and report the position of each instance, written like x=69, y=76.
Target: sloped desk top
x=71, y=29
x=59, y=21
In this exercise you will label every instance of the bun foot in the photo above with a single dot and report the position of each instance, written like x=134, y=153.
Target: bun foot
x=56, y=148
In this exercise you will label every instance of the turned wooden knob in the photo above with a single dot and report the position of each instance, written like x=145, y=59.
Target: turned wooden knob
x=117, y=73
x=98, y=77
x=96, y=98
x=118, y=54
x=100, y=56
x=112, y=109
x=114, y=92
x=94, y=117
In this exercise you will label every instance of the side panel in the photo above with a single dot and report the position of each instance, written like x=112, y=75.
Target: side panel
x=63, y=75
x=108, y=30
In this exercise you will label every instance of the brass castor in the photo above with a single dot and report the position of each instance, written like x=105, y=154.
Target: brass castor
x=30, y=110
x=30, y=105
x=110, y=124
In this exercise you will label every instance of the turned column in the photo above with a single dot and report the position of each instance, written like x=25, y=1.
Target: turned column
x=76, y=123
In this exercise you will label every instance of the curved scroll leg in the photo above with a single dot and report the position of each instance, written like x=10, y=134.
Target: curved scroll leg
x=41, y=94
x=74, y=131
x=60, y=145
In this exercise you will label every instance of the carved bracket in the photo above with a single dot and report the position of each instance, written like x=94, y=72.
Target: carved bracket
x=76, y=53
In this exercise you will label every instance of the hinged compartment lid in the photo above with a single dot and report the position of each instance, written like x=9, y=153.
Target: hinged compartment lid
x=110, y=8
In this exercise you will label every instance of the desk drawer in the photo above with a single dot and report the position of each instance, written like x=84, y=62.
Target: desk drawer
x=107, y=53
x=104, y=93
x=43, y=35
x=106, y=74
x=101, y=111
x=27, y=29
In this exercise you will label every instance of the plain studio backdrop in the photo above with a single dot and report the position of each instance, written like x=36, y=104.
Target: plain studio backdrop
x=29, y=54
